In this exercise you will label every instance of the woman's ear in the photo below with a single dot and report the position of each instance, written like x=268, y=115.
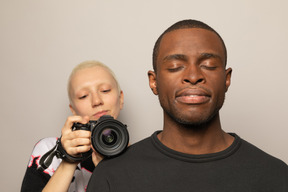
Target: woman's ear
x=152, y=82
x=121, y=99
x=72, y=110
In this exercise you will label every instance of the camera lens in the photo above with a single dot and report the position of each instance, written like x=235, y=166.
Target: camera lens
x=109, y=136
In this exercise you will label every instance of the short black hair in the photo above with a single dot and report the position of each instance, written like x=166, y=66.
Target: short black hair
x=184, y=24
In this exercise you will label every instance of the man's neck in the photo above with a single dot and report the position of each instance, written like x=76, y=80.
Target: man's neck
x=205, y=139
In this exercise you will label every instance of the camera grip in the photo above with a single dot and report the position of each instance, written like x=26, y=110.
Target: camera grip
x=69, y=158
x=80, y=126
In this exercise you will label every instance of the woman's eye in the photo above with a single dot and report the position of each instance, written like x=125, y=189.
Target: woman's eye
x=83, y=97
x=106, y=90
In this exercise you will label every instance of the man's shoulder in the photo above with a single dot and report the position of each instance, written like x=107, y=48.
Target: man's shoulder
x=140, y=146
x=133, y=153
x=261, y=157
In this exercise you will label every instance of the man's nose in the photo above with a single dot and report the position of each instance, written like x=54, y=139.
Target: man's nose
x=193, y=75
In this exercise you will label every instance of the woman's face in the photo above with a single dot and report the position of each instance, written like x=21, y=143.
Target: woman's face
x=94, y=93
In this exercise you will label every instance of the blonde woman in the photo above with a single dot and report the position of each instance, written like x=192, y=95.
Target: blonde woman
x=93, y=92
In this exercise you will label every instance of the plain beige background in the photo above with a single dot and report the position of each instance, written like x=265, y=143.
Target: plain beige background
x=41, y=41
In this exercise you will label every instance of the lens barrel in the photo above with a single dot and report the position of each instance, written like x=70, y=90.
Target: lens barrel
x=109, y=137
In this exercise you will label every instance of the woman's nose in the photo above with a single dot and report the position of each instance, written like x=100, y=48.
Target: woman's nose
x=96, y=100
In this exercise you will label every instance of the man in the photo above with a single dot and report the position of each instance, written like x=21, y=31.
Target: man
x=192, y=153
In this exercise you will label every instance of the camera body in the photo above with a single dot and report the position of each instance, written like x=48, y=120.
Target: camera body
x=109, y=137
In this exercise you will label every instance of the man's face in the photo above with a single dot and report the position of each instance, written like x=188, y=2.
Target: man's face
x=191, y=79
x=94, y=93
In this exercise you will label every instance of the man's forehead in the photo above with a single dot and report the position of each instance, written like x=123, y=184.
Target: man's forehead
x=188, y=33
x=188, y=39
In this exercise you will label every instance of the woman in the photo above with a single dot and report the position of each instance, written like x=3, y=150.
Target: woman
x=93, y=92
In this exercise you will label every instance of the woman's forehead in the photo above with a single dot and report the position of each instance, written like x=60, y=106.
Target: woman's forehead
x=94, y=75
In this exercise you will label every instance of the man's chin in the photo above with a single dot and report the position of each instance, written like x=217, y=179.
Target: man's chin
x=198, y=122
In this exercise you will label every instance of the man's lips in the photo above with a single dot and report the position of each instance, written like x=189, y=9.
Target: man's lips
x=192, y=96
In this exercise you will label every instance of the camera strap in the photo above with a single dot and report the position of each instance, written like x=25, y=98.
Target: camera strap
x=60, y=152
x=46, y=159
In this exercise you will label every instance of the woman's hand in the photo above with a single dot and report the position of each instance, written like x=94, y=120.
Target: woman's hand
x=75, y=142
x=96, y=157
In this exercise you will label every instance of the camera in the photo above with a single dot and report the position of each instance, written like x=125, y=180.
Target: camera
x=109, y=137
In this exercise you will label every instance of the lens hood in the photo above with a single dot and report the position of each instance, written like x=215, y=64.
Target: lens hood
x=109, y=137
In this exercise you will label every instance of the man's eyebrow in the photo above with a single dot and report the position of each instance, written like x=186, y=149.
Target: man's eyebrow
x=210, y=55
x=175, y=57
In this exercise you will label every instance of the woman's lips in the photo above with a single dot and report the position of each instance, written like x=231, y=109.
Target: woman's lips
x=192, y=96
x=99, y=114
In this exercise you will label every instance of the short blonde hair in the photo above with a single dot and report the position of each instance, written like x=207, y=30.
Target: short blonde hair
x=85, y=65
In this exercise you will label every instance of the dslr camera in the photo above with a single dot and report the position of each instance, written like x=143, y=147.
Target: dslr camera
x=109, y=137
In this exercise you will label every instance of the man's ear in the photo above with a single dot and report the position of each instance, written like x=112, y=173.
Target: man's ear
x=152, y=82
x=228, y=78
x=72, y=110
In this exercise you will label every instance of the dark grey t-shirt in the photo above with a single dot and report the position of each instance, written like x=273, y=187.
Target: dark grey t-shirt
x=149, y=166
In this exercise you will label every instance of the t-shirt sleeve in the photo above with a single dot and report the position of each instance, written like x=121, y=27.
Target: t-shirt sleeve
x=35, y=180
